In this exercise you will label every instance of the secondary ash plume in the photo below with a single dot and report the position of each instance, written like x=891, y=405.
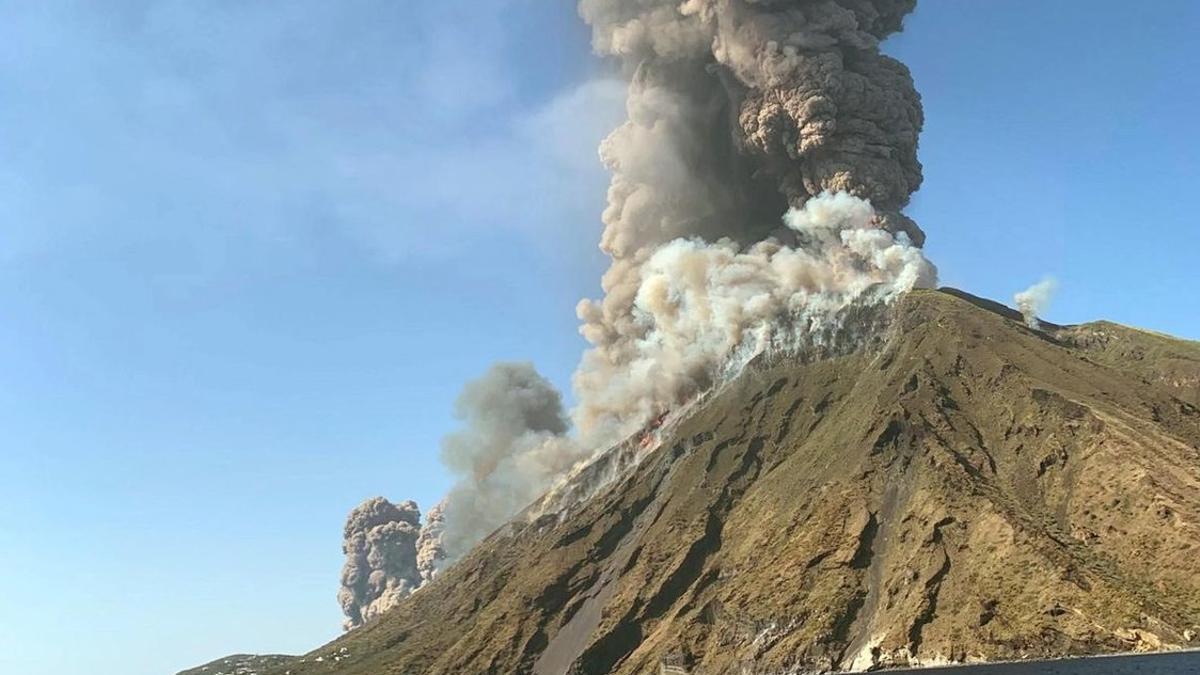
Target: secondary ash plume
x=1033, y=301
x=739, y=110
x=380, y=544
x=511, y=449
x=431, y=555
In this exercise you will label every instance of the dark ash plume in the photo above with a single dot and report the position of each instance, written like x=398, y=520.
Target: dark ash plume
x=380, y=544
x=761, y=96
x=431, y=555
x=739, y=110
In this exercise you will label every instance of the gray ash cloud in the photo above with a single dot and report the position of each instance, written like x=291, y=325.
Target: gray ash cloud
x=381, y=558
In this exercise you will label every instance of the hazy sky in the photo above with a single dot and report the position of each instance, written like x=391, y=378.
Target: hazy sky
x=249, y=251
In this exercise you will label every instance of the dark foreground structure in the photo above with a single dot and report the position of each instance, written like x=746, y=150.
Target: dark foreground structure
x=1176, y=663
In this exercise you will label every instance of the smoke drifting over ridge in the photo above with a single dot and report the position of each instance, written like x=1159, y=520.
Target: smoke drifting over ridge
x=1035, y=300
x=512, y=447
x=756, y=193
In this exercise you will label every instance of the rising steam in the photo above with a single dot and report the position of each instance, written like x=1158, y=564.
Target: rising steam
x=1033, y=301
x=697, y=304
x=757, y=188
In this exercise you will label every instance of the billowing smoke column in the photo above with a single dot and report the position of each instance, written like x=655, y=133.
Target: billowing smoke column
x=431, y=554
x=511, y=449
x=380, y=544
x=740, y=110
x=756, y=195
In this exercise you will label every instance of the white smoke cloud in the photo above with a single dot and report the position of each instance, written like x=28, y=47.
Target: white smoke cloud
x=699, y=303
x=703, y=310
x=1035, y=300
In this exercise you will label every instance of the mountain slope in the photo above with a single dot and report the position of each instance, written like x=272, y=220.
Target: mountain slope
x=963, y=488
x=239, y=664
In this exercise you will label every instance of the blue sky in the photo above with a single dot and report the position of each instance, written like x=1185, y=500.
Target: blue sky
x=250, y=251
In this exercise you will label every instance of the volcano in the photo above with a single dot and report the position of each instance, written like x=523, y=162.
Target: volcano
x=959, y=487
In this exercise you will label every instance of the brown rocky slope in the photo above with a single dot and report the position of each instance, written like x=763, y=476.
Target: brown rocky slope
x=963, y=488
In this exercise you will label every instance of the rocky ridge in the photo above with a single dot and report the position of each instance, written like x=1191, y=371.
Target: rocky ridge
x=965, y=489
